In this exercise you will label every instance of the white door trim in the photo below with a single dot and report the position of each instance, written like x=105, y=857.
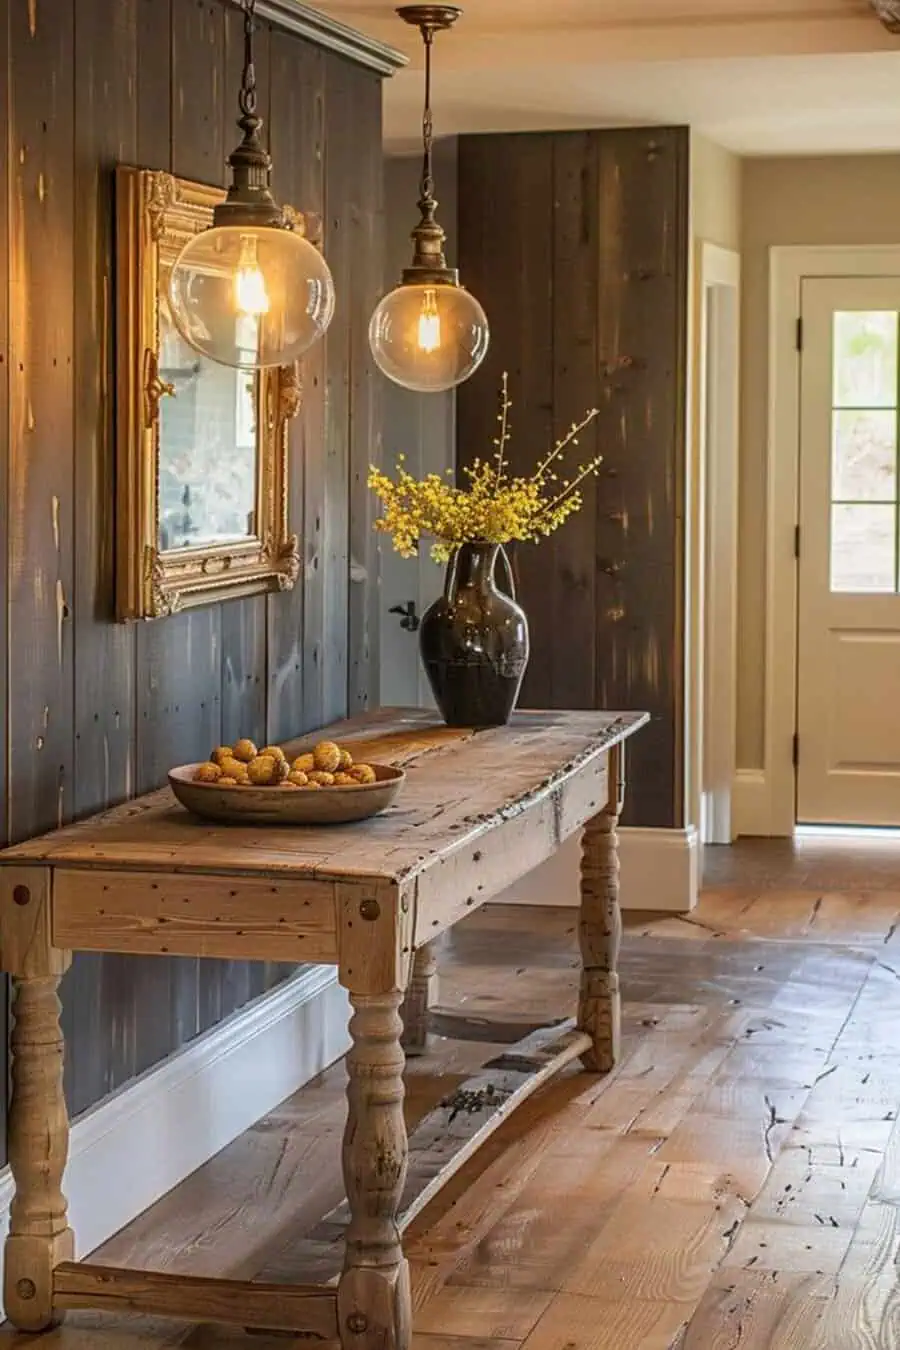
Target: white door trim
x=713, y=579
x=772, y=809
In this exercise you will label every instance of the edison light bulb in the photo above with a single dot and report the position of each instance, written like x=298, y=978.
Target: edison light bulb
x=273, y=276
x=250, y=294
x=429, y=331
x=429, y=337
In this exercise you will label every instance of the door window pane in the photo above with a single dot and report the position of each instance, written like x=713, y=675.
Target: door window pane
x=864, y=456
x=863, y=542
x=865, y=359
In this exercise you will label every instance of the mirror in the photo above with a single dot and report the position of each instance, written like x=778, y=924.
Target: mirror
x=201, y=452
x=207, y=447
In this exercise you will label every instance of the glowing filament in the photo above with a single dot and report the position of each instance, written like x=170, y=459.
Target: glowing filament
x=429, y=336
x=250, y=294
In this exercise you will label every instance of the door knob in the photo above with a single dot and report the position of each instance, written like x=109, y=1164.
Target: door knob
x=409, y=618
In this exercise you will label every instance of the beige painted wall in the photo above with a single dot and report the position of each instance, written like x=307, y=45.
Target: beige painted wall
x=824, y=201
x=715, y=193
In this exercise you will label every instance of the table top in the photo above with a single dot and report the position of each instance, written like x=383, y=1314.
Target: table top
x=460, y=784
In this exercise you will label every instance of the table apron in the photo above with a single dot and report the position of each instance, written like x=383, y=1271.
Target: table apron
x=181, y=914
x=503, y=854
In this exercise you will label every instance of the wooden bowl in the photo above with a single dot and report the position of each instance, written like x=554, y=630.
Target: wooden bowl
x=286, y=806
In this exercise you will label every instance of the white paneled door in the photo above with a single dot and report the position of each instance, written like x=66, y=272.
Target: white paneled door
x=848, y=685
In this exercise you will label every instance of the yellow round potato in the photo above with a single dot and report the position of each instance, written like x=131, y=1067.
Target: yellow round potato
x=321, y=778
x=297, y=778
x=311, y=787
x=345, y=780
x=303, y=764
x=327, y=756
x=275, y=751
x=244, y=750
x=208, y=773
x=260, y=770
x=233, y=768
x=220, y=754
x=345, y=762
x=225, y=781
x=363, y=773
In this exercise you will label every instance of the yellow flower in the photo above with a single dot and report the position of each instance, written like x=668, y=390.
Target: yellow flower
x=491, y=506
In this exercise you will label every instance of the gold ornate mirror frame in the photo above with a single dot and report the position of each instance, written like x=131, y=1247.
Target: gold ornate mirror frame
x=155, y=215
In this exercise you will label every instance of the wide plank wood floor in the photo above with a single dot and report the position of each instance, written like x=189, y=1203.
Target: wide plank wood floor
x=734, y=1185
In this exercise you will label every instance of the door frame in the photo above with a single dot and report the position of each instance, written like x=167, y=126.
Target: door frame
x=765, y=799
x=713, y=559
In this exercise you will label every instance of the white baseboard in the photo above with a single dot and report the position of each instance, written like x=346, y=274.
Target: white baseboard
x=751, y=804
x=659, y=871
x=128, y=1151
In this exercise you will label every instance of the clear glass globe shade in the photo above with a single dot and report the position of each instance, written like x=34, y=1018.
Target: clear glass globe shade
x=429, y=337
x=251, y=297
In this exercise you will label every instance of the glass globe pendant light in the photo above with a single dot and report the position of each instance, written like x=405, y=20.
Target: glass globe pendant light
x=429, y=334
x=250, y=291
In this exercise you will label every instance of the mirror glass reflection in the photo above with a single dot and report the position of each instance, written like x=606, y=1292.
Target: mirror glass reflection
x=207, y=443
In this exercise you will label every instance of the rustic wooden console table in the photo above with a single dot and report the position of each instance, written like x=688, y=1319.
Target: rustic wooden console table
x=478, y=811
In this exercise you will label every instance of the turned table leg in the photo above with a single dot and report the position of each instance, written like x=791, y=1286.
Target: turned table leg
x=420, y=996
x=374, y=1308
x=600, y=930
x=39, y=1235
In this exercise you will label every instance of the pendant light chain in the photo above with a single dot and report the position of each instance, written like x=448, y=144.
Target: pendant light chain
x=429, y=333
x=247, y=95
x=250, y=291
x=249, y=200
x=428, y=236
x=426, y=187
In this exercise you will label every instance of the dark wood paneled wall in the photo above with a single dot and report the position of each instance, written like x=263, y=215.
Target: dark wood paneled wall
x=97, y=711
x=577, y=245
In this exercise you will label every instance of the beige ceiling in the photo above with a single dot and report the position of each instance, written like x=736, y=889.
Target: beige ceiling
x=760, y=76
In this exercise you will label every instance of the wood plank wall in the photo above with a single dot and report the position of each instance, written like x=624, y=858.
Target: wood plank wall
x=577, y=245
x=95, y=711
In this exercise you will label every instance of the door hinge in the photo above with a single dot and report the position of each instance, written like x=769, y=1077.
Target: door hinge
x=796, y=541
x=796, y=750
x=799, y=333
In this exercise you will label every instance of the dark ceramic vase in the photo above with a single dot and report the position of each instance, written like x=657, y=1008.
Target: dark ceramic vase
x=474, y=641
